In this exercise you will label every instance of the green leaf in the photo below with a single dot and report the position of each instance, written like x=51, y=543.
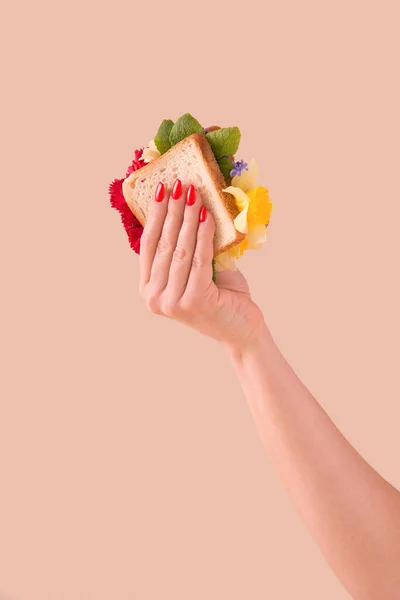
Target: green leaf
x=162, y=138
x=224, y=142
x=185, y=126
x=226, y=166
x=214, y=275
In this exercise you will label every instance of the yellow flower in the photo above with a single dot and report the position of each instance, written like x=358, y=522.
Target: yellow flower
x=225, y=262
x=151, y=152
x=260, y=207
x=255, y=209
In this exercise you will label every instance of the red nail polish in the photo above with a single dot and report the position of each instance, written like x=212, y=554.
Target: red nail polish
x=191, y=195
x=177, y=189
x=160, y=192
x=203, y=214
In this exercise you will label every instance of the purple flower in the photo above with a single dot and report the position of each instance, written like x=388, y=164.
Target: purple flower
x=205, y=130
x=238, y=167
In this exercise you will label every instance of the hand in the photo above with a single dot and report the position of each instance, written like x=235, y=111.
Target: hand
x=176, y=252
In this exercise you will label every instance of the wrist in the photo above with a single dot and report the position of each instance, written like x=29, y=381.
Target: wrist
x=259, y=341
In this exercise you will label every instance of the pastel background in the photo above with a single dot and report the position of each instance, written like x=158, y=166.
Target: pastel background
x=130, y=467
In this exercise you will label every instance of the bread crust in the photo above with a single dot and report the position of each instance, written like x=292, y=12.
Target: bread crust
x=214, y=172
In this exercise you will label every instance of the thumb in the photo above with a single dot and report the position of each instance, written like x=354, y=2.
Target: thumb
x=232, y=280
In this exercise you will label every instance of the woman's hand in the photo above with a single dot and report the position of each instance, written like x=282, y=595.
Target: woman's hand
x=176, y=252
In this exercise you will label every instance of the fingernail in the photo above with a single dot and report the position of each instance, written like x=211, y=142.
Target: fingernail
x=203, y=214
x=177, y=189
x=160, y=192
x=191, y=195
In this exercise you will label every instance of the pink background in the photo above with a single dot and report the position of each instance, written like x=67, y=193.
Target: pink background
x=129, y=464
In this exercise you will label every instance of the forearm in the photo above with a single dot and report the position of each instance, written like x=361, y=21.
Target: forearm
x=353, y=513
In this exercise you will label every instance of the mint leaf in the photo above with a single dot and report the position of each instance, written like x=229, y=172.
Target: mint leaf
x=214, y=275
x=185, y=126
x=162, y=138
x=226, y=166
x=224, y=142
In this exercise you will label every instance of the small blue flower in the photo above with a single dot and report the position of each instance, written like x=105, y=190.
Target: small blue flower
x=205, y=130
x=238, y=167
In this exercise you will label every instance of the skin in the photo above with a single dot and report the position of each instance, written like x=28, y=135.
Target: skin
x=352, y=512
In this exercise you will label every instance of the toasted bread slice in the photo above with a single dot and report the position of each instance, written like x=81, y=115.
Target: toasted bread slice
x=191, y=161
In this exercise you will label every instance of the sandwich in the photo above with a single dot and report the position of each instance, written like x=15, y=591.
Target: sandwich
x=204, y=157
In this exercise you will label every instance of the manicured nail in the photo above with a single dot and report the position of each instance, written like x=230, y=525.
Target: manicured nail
x=191, y=195
x=177, y=189
x=203, y=214
x=160, y=192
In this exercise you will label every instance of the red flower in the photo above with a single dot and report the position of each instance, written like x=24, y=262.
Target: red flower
x=137, y=162
x=131, y=224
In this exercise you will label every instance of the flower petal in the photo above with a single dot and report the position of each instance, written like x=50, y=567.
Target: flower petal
x=256, y=236
x=247, y=179
x=150, y=153
x=131, y=225
x=237, y=250
x=240, y=221
x=242, y=202
x=225, y=261
x=260, y=206
x=152, y=146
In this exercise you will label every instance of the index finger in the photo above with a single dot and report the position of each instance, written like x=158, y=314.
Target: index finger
x=152, y=232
